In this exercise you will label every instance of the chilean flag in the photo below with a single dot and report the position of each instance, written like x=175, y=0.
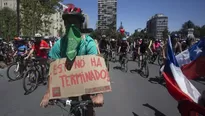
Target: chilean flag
x=192, y=60
x=179, y=69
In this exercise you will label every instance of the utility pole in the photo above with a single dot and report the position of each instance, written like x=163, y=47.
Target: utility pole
x=18, y=16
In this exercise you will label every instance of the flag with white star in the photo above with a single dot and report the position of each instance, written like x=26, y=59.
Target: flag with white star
x=192, y=60
x=179, y=69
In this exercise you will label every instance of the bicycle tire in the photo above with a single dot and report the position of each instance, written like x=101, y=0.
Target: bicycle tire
x=152, y=59
x=146, y=73
x=35, y=80
x=125, y=67
x=8, y=74
x=160, y=60
x=108, y=65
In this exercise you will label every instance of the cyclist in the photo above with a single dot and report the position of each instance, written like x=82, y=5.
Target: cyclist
x=40, y=47
x=176, y=46
x=21, y=52
x=21, y=48
x=190, y=41
x=142, y=50
x=135, y=48
x=48, y=40
x=103, y=44
x=123, y=48
x=73, y=19
x=113, y=44
x=113, y=47
x=156, y=46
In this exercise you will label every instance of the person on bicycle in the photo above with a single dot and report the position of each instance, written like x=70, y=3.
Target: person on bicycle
x=156, y=46
x=103, y=44
x=142, y=50
x=21, y=49
x=190, y=41
x=113, y=44
x=21, y=52
x=123, y=49
x=40, y=47
x=73, y=19
x=176, y=46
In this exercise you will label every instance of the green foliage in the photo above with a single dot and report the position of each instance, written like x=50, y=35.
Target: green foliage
x=202, y=31
x=36, y=15
x=8, y=27
x=165, y=34
x=198, y=31
x=60, y=31
x=96, y=34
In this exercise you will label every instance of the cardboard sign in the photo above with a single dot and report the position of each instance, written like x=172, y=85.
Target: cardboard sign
x=88, y=75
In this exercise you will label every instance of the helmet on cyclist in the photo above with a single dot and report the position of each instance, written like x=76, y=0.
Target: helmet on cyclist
x=103, y=36
x=174, y=38
x=157, y=40
x=38, y=37
x=73, y=11
x=46, y=38
x=124, y=38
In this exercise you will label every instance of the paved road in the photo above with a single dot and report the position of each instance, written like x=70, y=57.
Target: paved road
x=132, y=95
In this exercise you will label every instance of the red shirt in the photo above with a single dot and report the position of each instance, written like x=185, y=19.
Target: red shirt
x=41, y=53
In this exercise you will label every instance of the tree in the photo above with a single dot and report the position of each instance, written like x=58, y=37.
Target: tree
x=186, y=26
x=197, y=31
x=96, y=34
x=36, y=15
x=8, y=27
x=202, y=31
x=60, y=31
x=165, y=34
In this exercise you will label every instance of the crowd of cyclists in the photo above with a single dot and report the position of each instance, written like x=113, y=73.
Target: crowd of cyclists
x=140, y=48
x=46, y=49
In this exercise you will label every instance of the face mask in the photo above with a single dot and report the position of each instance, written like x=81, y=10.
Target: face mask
x=73, y=36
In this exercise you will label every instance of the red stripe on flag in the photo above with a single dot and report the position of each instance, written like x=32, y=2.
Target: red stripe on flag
x=195, y=69
x=174, y=89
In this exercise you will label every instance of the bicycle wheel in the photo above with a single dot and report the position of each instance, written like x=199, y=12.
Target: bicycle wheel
x=160, y=60
x=113, y=57
x=146, y=69
x=125, y=65
x=152, y=59
x=32, y=76
x=16, y=72
x=108, y=65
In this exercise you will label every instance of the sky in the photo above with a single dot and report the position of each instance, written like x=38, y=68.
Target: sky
x=134, y=13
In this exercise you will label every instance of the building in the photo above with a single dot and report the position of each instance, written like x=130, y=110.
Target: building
x=85, y=24
x=107, y=13
x=8, y=3
x=156, y=25
x=57, y=24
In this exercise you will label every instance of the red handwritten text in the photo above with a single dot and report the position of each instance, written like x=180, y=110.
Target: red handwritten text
x=95, y=62
x=79, y=63
x=84, y=77
x=59, y=68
